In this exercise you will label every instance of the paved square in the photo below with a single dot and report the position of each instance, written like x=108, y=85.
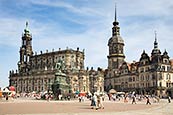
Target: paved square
x=40, y=107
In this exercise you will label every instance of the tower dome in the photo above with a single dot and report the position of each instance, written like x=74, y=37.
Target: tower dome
x=156, y=50
x=116, y=47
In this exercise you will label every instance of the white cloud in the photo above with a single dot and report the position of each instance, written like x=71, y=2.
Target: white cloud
x=147, y=7
x=84, y=10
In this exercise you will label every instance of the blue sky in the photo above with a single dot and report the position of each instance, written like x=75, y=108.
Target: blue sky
x=85, y=24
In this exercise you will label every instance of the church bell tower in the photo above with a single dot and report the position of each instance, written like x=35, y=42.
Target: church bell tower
x=25, y=51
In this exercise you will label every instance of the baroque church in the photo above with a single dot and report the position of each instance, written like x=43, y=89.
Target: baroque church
x=150, y=75
x=36, y=72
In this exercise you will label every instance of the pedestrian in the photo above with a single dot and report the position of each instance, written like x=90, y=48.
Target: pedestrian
x=94, y=101
x=101, y=106
x=80, y=98
x=110, y=96
x=49, y=97
x=133, y=100
x=148, y=100
x=125, y=98
x=169, y=99
x=98, y=102
x=68, y=97
x=114, y=97
x=6, y=97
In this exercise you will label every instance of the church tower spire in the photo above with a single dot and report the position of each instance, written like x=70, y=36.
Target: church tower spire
x=25, y=50
x=26, y=28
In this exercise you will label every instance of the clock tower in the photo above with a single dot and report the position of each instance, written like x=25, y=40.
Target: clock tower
x=116, y=49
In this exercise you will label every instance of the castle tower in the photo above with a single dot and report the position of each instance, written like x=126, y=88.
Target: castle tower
x=25, y=51
x=156, y=53
x=116, y=48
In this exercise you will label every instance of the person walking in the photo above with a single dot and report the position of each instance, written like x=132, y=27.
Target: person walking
x=169, y=99
x=80, y=98
x=99, y=102
x=6, y=97
x=148, y=100
x=125, y=98
x=133, y=100
x=101, y=106
x=94, y=101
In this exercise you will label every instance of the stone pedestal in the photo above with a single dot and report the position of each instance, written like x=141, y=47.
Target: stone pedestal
x=60, y=86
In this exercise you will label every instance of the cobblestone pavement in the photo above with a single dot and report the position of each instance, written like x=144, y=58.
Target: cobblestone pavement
x=42, y=107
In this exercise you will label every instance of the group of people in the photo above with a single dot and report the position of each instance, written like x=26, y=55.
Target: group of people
x=81, y=98
x=97, y=102
x=147, y=100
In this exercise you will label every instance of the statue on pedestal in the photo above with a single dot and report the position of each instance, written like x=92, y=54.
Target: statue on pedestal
x=60, y=66
x=60, y=86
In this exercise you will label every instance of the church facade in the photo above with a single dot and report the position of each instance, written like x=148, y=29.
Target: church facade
x=150, y=75
x=36, y=72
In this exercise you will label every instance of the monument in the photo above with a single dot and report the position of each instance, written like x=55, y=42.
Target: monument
x=60, y=87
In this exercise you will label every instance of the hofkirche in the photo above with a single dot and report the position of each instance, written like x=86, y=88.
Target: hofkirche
x=36, y=72
x=150, y=75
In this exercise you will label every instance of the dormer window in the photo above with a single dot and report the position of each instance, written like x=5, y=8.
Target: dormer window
x=163, y=68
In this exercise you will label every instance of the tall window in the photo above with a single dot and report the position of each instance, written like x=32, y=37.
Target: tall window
x=168, y=76
x=147, y=77
x=142, y=77
x=142, y=70
x=153, y=77
x=160, y=84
